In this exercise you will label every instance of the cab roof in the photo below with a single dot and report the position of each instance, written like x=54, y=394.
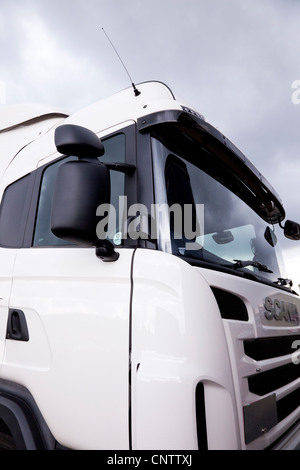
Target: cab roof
x=12, y=116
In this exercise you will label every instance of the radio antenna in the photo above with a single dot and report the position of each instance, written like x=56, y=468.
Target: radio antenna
x=136, y=91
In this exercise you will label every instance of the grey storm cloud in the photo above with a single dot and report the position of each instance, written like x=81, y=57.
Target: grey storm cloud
x=234, y=61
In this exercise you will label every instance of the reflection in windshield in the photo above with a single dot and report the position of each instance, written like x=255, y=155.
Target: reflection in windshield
x=230, y=230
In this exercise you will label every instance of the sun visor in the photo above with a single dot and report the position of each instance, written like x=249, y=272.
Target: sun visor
x=249, y=183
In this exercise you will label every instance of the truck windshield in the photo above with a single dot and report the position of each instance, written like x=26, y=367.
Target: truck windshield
x=202, y=218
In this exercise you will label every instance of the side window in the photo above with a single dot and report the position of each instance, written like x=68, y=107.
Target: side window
x=14, y=212
x=114, y=152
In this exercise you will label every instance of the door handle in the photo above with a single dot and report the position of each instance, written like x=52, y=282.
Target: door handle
x=17, y=325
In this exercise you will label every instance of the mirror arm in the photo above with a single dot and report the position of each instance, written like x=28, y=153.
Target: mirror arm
x=105, y=251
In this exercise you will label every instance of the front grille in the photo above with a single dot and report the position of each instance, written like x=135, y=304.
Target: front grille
x=270, y=381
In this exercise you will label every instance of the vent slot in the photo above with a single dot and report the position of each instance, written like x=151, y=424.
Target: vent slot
x=268, y=381
x=267, y=348
x=231, y=306
x=201, y=417
x=288, y=404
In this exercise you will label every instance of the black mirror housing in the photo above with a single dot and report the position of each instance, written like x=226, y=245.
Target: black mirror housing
x=77, y=140
x=292, y=230
x=81, y=186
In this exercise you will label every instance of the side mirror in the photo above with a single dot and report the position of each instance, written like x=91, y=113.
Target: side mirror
x=81, y=186
x=79, y=141
x=292, y=230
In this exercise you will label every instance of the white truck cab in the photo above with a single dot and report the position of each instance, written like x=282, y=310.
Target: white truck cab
x=142, y=299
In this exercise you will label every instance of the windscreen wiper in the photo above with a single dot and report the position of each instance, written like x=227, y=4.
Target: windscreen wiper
x=243, y=264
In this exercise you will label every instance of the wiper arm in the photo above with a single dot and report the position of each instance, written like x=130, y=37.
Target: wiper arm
x=243, y=264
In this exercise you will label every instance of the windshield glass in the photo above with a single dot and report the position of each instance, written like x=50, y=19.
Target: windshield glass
x=202, y=219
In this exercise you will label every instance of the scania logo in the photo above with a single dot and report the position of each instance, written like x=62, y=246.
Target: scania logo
x=280, y=310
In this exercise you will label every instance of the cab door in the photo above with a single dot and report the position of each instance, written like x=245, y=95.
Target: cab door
x=14, y=209
x=77, y=311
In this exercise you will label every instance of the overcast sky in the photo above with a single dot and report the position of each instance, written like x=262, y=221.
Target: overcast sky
x=234, y=61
